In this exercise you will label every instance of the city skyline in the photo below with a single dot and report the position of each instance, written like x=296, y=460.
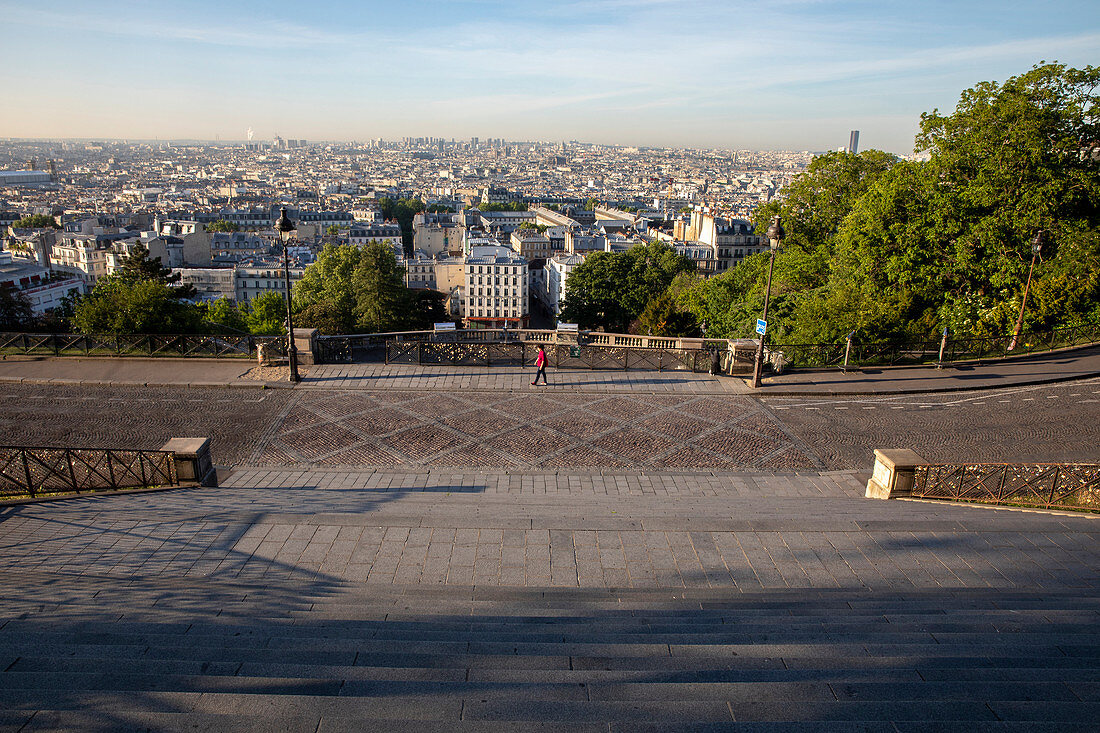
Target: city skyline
x=794, y=75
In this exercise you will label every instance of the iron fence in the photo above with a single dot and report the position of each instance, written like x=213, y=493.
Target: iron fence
x=568, y=356
x=1046, y=485
x=163, y=345
x=36, y=472
x=920, y=352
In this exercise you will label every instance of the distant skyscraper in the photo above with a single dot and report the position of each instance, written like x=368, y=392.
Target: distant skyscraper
x=853, y=142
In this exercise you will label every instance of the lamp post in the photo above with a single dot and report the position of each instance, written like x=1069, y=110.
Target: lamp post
x=775, y=239
x=285, y=226
x=1036, y=248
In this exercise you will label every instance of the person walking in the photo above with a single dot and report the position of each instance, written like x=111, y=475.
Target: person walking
x=540, y=362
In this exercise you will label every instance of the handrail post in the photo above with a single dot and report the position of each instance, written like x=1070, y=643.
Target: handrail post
x=27, y=473
x=141, y=465
x=1053, y=486
x=111, y=470
x=72, y=472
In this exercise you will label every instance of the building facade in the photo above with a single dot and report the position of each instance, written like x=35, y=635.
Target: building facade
x=496, y=289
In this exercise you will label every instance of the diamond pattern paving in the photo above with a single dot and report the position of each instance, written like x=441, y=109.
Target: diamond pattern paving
x=486, y=430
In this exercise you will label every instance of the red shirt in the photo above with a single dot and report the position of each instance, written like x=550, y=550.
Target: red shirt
x=540, y=360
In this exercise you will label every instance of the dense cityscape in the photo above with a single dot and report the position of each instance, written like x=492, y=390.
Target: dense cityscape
x=206, y=211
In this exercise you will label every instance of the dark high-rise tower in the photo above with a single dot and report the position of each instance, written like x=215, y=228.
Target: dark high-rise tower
x=853, y=142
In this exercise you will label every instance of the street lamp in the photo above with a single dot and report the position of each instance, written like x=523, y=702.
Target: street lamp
x=775, y=238
x=285, y=226
x=1036, y=248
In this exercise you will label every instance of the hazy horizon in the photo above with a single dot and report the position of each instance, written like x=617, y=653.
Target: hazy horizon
x=790, y=75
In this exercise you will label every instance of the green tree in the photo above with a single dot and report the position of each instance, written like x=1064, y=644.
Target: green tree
x=381, y=298
x=138, y=266
x=899, y=249
x=352, y=289
x=402, y=211
x=221, y=225
x=610, y=290
x=503, y=206
x=224, y=312
x=1018, y=157
x=591, y=204
x=266, y=314
x=143, y=306
x=332, y=230
x=664, y=316
x=328, y=281
x=15, y=310
x=37, y=221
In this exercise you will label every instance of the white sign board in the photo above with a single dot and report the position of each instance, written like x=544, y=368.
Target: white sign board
x=567, y=327
x=448, y=326
x=761, y=326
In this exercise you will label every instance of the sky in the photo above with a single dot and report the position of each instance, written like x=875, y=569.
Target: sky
x=733, y=74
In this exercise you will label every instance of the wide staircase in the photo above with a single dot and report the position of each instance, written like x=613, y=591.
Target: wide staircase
x=94, y=653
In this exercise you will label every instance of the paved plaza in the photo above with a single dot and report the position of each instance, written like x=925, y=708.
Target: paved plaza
x=653, y=555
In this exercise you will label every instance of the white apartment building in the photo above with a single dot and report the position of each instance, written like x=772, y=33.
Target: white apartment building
x=89, y=257
x=211, y=283
x=363, y=233
x=254, y=280
x=420, y=271
x=49, y=296
x=238, y=245
x=557, y=270
x=496, y=289
x=705, y=256
x=733, y=239
x=33, y=281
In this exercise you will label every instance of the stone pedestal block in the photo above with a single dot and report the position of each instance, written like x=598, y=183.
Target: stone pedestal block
x=193, y=461
x=305, y=340
x=893, y=473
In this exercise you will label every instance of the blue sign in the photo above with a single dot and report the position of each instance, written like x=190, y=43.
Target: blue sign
x=761, y=326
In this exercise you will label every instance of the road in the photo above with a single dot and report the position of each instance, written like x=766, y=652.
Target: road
x=551, y=431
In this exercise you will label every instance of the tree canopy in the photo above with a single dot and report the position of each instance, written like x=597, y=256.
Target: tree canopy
x=221, y=225
x=402, y=211
x=351, y=289
x=498, y=206
x=137, y=266
x=611, y=290
x=15, y=310
x=895, y=249
x=143, y=306
x=37, y=221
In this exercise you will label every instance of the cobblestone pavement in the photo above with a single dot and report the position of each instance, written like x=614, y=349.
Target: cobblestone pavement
x=1046, y=424
x=137, y=417
x=561, y=430
x=564, y=430
x=500, y=378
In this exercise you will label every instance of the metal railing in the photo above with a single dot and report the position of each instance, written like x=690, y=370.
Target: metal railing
x=921, y=352
x=162, y=345
x=1045, y=485
x=560, y=356
x=517, y=347
x=35, y=472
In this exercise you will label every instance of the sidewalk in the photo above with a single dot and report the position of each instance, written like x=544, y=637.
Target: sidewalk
x=1039, y=369
x=1064, y=366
